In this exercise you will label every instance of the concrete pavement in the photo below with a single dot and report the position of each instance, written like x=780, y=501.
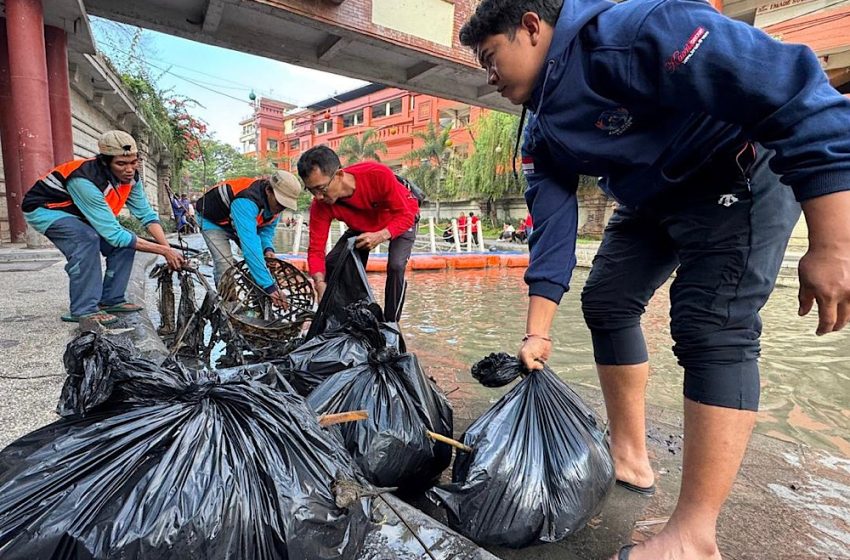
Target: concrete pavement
x=790, y=501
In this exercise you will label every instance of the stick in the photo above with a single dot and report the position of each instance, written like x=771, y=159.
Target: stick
x=453, y=442
x=326, y=420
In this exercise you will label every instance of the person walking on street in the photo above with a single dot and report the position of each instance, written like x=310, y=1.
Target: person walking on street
x=705, y=130
x=76, y=206
x=375, y=206
x=246, y=210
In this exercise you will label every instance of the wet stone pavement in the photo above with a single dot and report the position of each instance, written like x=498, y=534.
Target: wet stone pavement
x=791, y=501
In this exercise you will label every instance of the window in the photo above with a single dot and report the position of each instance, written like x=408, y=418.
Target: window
x=271, y=145
x=386, y=109
x=352, y=119
x=294, y=144
x=324, y=127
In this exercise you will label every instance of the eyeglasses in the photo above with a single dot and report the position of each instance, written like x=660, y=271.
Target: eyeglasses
x=322, y=189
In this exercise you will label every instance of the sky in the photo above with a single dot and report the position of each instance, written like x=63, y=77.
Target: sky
x=218, y=79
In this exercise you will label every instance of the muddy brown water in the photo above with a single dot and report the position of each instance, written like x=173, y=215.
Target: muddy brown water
x=453, y=318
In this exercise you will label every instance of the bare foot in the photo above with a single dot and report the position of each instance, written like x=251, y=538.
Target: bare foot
x=634, y=470
x=673, y=544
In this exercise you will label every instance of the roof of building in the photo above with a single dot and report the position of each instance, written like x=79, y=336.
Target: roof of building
x=346, y=96
x=825, y=31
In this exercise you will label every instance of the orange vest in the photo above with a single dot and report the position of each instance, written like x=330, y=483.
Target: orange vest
x=51, y=190
x=215, y=204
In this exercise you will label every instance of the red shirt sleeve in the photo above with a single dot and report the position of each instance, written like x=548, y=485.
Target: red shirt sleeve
x=320, y=225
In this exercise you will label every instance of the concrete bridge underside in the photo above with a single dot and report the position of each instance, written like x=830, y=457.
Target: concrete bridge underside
x=410, y=44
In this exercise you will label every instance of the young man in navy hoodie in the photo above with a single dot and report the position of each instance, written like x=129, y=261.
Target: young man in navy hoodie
x=692, y=120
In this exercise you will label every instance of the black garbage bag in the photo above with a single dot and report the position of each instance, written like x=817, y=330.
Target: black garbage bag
x=392, y=447
x=169, y=463
x=347, y=284
x=343, y=347
x=496, y=370
x=540, y=466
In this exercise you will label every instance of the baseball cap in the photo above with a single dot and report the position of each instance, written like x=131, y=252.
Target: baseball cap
x=286, y=187
x=116, y=143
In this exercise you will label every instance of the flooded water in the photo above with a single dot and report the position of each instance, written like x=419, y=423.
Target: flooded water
x=453, y=318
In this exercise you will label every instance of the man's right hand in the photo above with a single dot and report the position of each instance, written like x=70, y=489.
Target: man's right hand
x=279, y=299
x=174, y=259
x=534, y=352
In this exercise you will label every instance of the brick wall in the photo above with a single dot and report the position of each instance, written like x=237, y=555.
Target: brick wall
x=356, y=15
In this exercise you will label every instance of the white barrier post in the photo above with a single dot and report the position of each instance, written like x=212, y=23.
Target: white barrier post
x=431, y=233
x=469, y=235
x=456, y=235
x=299, y=226
x=481, y=236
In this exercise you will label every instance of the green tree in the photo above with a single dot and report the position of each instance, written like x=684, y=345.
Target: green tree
x=167, y=115
x=431, y=161
x=356, y=148
x=488, y=172
x=221, y=161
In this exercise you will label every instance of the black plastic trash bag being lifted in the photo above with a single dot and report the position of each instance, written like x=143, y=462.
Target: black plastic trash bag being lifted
x=540, y=467
x=392, y=447
x=166, y=463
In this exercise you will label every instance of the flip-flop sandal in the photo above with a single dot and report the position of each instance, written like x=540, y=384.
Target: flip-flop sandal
x=123, y=307
x=625, y=552
x=642, y=490
x=99, y=317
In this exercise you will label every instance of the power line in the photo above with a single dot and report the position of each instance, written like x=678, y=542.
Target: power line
x=191, y=81
x=237, y=85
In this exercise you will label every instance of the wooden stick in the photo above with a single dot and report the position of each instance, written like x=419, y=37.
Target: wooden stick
x=326, y=420
x=453, y=442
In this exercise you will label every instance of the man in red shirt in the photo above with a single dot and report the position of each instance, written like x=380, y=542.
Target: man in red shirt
x=369, y=199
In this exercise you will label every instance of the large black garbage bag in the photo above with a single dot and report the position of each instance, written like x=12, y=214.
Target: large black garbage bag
x=168, y=463
x=392, y=447
x=540, y=466
x=340, y=348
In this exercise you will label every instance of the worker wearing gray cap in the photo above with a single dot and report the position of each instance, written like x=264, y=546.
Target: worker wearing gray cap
x=76, y=206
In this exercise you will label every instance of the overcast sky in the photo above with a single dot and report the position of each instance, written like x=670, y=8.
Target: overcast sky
x=220, y=80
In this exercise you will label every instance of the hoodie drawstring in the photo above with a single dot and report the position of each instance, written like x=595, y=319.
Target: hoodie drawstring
x=549, y=67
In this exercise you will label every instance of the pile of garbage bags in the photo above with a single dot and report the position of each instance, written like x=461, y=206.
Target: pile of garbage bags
x=341, y=347
x=540, y=466
x=154, y=461
x=357, y=362
x=160, y=461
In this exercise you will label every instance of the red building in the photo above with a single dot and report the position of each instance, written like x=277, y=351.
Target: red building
x=394, y=114
x=264, y=128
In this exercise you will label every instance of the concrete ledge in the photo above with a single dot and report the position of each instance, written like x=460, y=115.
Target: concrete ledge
x=19, y=253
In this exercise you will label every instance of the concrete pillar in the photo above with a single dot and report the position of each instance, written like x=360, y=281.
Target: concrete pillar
x=56, y=44
x=30, y=102
x=11, y=150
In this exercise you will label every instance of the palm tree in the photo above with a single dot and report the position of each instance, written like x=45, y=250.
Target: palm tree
x=357, y=148
x=432, y=156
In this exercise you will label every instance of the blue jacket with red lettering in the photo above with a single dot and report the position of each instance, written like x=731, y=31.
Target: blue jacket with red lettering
x=645, y=93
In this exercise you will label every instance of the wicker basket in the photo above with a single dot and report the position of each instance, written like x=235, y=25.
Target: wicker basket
x=252, y=312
